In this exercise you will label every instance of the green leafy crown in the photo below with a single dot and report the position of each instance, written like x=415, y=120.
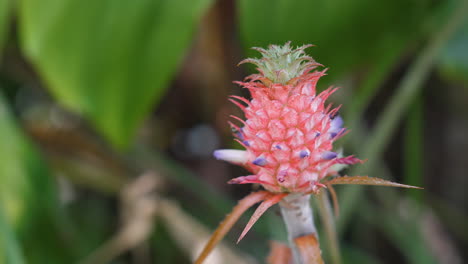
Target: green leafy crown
x=280, y=64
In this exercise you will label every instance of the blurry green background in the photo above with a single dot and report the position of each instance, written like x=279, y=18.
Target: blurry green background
x=110, y=110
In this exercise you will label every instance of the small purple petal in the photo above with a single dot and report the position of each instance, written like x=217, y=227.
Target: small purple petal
x=239, y=135
x=333, y=134
x=329, y=155
x=246, y=143
x=260, y=162
x=336, y=123
x=304, y=153
x=278, y=147
x=317, y=134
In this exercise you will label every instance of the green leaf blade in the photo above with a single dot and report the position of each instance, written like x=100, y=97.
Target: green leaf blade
x=109, y=61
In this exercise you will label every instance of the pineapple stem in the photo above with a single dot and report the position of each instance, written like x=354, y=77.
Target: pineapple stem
x=297, y=215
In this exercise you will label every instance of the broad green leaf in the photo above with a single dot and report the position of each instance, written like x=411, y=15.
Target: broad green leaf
x=365, y=180
x=347, y=33
x=27, y=196
x=4, y=15
x=108, y=60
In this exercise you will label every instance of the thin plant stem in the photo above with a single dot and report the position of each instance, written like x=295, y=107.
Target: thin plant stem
x=328, y=222
x=392, y=114
x=299, y=221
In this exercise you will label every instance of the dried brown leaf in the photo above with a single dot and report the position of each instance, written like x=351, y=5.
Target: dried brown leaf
x=365, y=180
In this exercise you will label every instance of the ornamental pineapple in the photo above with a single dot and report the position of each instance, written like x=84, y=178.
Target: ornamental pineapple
x=289, y=131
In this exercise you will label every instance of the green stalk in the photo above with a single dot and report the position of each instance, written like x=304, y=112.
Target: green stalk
x=328, y=222
x=414, y=148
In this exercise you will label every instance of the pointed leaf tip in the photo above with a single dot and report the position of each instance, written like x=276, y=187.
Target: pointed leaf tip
x=230, y=220
x=365, y=180
x=269, y=201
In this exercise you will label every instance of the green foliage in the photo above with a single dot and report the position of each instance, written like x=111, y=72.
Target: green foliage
x=109, y=62
x=346, y=38
x=4, y=12
x=27, y=193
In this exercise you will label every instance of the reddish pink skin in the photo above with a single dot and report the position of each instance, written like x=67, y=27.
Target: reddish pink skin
x=281, y=121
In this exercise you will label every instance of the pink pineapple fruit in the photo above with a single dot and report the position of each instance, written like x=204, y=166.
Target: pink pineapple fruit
x=289, y=131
